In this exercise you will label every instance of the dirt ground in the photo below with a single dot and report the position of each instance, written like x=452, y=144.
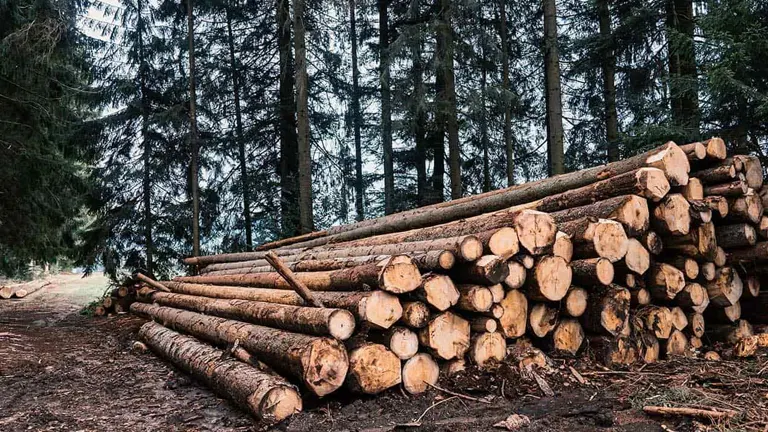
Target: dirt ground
x=62, y=371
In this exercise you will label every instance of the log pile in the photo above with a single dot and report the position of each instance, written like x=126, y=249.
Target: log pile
x=643, y=259
x=21, y=290
x=118, y=301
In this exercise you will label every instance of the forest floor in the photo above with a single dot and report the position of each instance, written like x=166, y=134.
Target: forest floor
x=63, y=371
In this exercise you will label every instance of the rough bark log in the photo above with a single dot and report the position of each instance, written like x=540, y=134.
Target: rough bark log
x=718, y=205
x=403, y=342
x=747, y=208
x=733, y=189
x=613, y=351
x=419, y=373
x=489, y=269
x=501, y=242
x=752, y=286
x=640, y=297
x=320, y=363
x=294, y=282
x=652, y=242
x=515, y=308
x=575, y=302
x=726, y=289
x=415, y=314
x=752, y=170
x=376, y=307
x=756, y=253
x=726, y=315
x=372, y=369
x=648, y=348
x=483, y=324
x=699, y=211
x=338, y=323
x=688, y=266
x=629, y=210
x=762, y=227
x=729, y=333
x=487, y=348
x=474, y=298
x=446, y=335
x=438, y=291
x=597, y=238
x=664, y=281
x=608, y=310
x=737, y=235
x=549, y=280
x=266, y=396
x=592, y=271
x=691, y=296
x=722, y=173
x=695, y=151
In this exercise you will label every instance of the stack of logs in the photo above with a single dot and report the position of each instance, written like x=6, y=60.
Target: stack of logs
x=21, y=290
x=118, y=301
x=626, y=261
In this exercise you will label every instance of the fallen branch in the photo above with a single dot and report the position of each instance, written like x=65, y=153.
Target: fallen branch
x=691, y=412
x=289, y=277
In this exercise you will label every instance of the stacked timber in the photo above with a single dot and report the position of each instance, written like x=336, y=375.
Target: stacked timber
x=118, y=300
x=21, y=290
x=636, y=260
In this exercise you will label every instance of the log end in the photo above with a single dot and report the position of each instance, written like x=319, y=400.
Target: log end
x=332, y=355
x=400, y=277
x=654, y=183
x=637, y=259
x=487, y=348
x=536, y=231
x=278, y=404
x=447, y=335
x=610, y=240
x=341, y=324
x=446, y=260
x=404, y=343
x=605, y=271
x=674, y=162
x=568, y=337
x=504, y=242
x=576, y=302
x=553, y=277
x=419, y=373
x=517, y=274
x=373, y=368
x=440, y=292
x=470, y=248
x=380, y=309
x=716, y=148
x=515, y=316
x=673, y=215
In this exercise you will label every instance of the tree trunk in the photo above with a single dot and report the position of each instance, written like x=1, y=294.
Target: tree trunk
x=542, y=319
x=505, y=85
x=592, y=271
x=608, y=310
x=575, y=302
x=608, y=65
x=683, y=86
x=264, y=395
x=320, y=363
x=447, y=94
x=193, y=144
x=244, y=179
x=629, y=210
x=289, y=147
x=386, y=108
x=665, y=281
x=555, y=153
x=306, y=217
x=474, y=298
x=484, y=133
x=567, y=337
x=357, y=119
x=146, y=144
x=418, y=114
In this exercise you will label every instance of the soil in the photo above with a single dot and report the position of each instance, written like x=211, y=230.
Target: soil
x=63, y=371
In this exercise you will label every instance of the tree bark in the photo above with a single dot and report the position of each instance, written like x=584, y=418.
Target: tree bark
x=505, y=85
x=386, y=108
x=555, y=153
x=264, y=395
x=306, y=217
x=357, y=119
x=734, y=236
x=683, y=86
x=193, y=144
x=320, y=363
x=608, y=65
x=447, y=94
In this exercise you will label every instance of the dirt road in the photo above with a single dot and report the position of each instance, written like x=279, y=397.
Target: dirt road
x=61, y=371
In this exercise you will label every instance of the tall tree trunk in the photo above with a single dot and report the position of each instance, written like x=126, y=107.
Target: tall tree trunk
x=289, y=147
x=302, y=108
x=484, y=131
x=386, y=108
x=193, y=133
x=356, y=118
x=608, y=64
x=146, y=144
x=447, y=95
x=418, y=114
x=508, y=144
x=683, y=87
x=555, y=152
x=436, y=139
x=239, y=134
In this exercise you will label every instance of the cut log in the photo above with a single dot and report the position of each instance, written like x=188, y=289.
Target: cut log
x=487, y=348
x=542, y=319
x=30, y=288
x=550, y=279
x=640, y=297
x=752, y=285
x=453, y=367
x=747, y=208
x=730, y=333
x=688, y=266
x=630, y=280
x=612, y=351
x=648, y=348
x=707, y=271
x=575, y=302
x=664, y=281
x=338, y=323
x=567, y=337
x=264, y=395
x=720, y=257
x=715, y=148
x=674, y=346
x=691, y=296
x=728, y=314
x=295, y=283
x=696, y=325
x=563, y=246
x=679, y=319
x=501, y=242
x=726, y=289
x=637, y=259
x=752, y=170
x=372, y=369
x=597, y=238
x=525, y=260
x=483, y=325
x=403, y=342
x=516, y=275
x=496, y=311
x=733, y=189
x=718, y=205
x=695, y=151
x=695, y=342
x=438, y=291
x=694, y=190
x=320, y=363
x=419, y=373
x=652, y=242
x=722, y=173
x=762, y=227
x=395, y=277
x=497, y=292
x=737, y=235
x=515, y=316
x=489, y=269
x=415, y=314
x=108, y=302
x=657, y=319
x=592, y=271
x=608, y=310
x=474, y=298
x=699, y=211
x=672, y=215
x=378, y=308
x=629, y=210
x=758, y=252
x=446, y=335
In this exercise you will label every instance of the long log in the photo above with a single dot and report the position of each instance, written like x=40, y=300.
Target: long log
x=692, y=296
x=732, y=189
x=338, y=323
x=376, y=307
x=629, y=210
x=718, y=205
x=264, y=395
x=669, y=158
x=395, y=277
x=489, y=269
x=721, y=173
x=758, y=252
x=320, y=363
x=474, y=298
x=730, y=333
x=737, y=235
